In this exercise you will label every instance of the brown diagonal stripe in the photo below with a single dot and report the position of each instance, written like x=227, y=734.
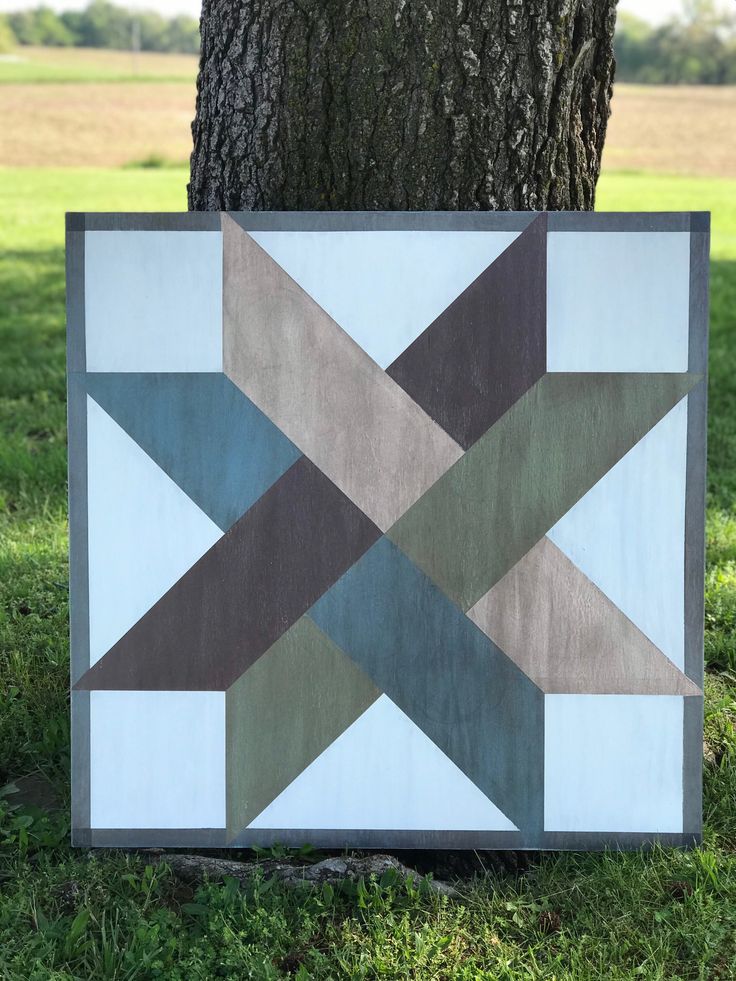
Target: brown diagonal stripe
x=241, y=596
x=488, y=347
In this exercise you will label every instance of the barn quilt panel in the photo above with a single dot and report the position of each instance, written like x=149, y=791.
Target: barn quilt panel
x=387, y=529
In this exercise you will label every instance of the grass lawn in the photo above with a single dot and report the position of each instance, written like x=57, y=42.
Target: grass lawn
x=658, y=915
x=49, y=65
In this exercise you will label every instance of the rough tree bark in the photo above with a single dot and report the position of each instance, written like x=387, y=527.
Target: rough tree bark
x=401, y=104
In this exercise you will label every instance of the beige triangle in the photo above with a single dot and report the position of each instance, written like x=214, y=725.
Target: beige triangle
x=568, y=636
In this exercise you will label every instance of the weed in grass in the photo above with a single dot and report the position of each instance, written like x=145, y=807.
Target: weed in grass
x=154, y=161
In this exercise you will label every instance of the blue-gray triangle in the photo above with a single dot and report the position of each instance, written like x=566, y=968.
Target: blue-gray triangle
x=203, y=432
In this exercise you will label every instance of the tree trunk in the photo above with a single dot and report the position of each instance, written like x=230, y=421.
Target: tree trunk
x=401, y=104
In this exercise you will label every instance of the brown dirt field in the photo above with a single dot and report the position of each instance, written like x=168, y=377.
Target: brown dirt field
x=94, y=125
x=666, y=129
x=673, y=129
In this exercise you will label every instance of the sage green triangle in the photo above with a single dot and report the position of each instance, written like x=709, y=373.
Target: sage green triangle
x=283, y=712
x=526, y=471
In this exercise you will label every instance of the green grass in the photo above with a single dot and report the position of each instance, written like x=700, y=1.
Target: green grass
x=662, y=915
x=53, y=65
x=23, y=74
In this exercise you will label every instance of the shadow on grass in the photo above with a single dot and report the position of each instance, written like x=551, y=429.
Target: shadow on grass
x=33, y=544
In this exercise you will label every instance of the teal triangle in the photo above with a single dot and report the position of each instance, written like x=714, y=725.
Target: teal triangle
x=203, y=432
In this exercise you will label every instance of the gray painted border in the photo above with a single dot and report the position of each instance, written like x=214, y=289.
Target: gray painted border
x=78, y=554
x=145, y=221
x=619, y=221
x=696, y=459
x=345, y=221
x=692, y=809
x=76, y=359
x=692, y=765
x=361, y=838
x=78, y=223
x=80, y=810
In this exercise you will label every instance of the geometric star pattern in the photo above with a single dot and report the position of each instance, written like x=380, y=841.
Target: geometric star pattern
x=381, y=607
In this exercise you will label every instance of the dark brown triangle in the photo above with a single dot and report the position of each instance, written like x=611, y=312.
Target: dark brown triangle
x=488, y=347
x=241, y=596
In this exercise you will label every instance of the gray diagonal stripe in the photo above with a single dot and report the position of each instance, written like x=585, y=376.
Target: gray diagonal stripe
x=322, y=390
x=568, y=636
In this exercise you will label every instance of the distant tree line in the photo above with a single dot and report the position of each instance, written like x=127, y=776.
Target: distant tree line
x=100, y=25
x=698, y=48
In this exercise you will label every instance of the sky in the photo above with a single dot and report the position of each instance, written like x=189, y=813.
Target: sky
x=652, y=10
